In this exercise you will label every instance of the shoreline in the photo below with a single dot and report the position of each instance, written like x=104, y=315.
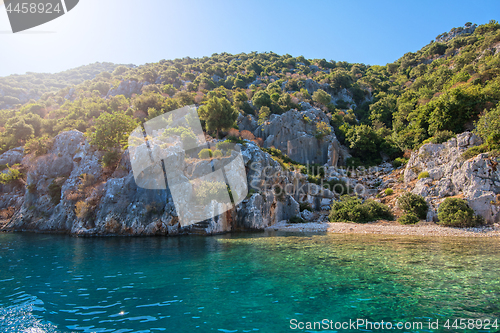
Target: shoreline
x=387, y=228
x=425, y=229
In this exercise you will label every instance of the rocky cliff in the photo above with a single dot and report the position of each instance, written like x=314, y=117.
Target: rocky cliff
x=67, y=190
x=444, y=172
x=295, y=134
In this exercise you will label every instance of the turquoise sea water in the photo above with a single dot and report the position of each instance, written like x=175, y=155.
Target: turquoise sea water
x=243, y=283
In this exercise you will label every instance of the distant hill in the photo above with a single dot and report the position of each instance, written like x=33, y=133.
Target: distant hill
x=16, y=89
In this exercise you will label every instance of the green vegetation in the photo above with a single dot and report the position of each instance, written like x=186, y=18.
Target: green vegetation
x=305, y=206
x=13, y=174
x=352, y=209
x=297, y=219
x=218, y=113
x=205, y=154
x=217, y=153
x=38, y=146
x=399, y=161
x=55, y=191
x=409, y=218
x=187, y=135
x=423, y=174
x=111, y=131
x=389, y=191
x=413, y=203
x=206, y=191
x=425, y=96
x=455, y=212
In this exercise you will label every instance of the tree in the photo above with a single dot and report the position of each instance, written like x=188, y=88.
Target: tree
x=261, y=98
x=184, y=98
x=18, y=129
x=364, y=140
x=488, y=127
x=218, y=113
x=264, y=113
x=111, y=131
x=322, y=97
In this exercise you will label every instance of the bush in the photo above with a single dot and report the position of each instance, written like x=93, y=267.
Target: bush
x=218, y=153
x=409, y=218
x=205, y=154
x=305, y=206
x=297, y=219
x=413, y=203
x=474, y=151
x=206, y=191
x=455, y=212
x=111, y=130
x=352, y=209
x=224, y=145
x=389, y=191
x=82, y=209
x=400, y=161
x=442, y=136
x=12, y=175
x=38, y=146
x=423, y=174
x=55, y=191
x=110, y=158
x=187, y=135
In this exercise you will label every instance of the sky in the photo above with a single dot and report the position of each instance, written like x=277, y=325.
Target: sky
x=138, y=32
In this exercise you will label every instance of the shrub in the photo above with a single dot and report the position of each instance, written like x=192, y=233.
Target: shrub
x=413, y=203
x=82, y=209
x=234, y=139
x=205, y=154
x=38, y=146
x=474, y=151
x=187, y=135
x=322, y=129
x=423, y=174
x=218, y=153
x=12, y=175
x=442, y=136
x=352, y=209
x=224, y=145
x=111, y=130
x=388, y=191
x=305, y=206
x=455, y=212
x=206, y=191
x=488, y=127
x=409, y=218
x=296, y=219
x=55, y=191
x=400, y=161
x=110, y=158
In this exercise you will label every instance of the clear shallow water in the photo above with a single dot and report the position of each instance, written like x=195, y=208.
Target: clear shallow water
x=241, y=283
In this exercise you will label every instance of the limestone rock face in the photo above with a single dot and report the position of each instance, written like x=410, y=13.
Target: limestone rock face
x=13, y=156
x=69, y=191
x=477, y=179
x=294, y=133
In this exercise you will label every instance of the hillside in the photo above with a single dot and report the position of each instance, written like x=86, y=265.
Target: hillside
x=437, y=111
x=16, y=89
x=428, y=95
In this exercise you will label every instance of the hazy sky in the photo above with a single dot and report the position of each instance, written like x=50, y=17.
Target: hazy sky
x=126, y=31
